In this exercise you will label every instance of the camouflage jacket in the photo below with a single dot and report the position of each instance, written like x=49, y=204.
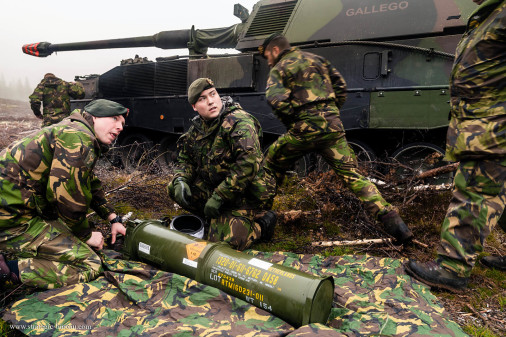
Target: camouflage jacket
x=478, y=91
x=225, y=153
x=55, y=95
x=50, y=174
x=306, y=91
x=479, y=71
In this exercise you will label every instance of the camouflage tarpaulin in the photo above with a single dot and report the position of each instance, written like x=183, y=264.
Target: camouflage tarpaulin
x=373, y=296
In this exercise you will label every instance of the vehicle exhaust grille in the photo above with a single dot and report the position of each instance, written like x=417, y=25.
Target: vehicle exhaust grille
x=170, y=78
x=271, y=18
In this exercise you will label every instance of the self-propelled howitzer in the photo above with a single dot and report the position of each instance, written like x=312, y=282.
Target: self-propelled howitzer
x=395, y=56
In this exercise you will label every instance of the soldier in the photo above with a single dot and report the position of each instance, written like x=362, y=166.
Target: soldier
x=47, y=187
x=55, y=94
x=306, y=92
x=477, y=138
x=219, y=174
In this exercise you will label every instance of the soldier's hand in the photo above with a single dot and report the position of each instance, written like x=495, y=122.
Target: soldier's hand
x=96, y=240
x=182, y=192
x=117, y=228
x=212, y=207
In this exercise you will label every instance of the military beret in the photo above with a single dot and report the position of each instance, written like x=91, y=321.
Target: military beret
x=266, y=42
x=105, y=108
x=197, y=87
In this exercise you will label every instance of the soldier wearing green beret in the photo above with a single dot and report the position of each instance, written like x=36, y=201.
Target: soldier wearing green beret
x=306, y=92
x=54, y=93
x=218, y=172
x=47, y=187
x=477, y=139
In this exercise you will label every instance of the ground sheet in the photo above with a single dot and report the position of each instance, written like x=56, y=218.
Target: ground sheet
x=372, y=296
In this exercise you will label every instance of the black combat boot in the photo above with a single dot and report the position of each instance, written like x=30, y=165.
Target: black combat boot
x=434, y=275
x=497, y=262
x=396, y=227
x=267, y=222
x=6, y=275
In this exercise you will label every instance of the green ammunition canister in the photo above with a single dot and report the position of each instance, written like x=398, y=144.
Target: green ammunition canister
x=294, y=296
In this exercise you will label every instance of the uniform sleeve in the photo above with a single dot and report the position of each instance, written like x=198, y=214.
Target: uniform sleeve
x=36, y=99
x=71, y=184
x=245, y=146
x=99, y=202
x=185, y=167
x=278, y=94
x=338, y=84
x=76, y=90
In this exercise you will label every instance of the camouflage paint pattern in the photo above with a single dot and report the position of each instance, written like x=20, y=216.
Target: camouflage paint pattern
x=300, y=80
x=305, y=92
x=372, y=296
x=479, y=196
x=478, y=124
x=54, y=94
x=477, y=138
x=225, y=157
x=49, y=255
x=44, y=177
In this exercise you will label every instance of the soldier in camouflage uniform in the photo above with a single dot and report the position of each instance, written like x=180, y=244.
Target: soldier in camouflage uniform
x=54, y=93
x=47, y=187
x=476, y=138
x=306, y=92
x=219, y=174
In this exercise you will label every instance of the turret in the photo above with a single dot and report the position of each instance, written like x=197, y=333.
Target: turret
x=302, y=22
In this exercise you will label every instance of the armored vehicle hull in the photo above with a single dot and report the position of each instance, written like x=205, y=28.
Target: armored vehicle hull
x=395, y=56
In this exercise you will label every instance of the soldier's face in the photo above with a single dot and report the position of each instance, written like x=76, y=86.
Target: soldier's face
x=271, y=54
x=108, y=129
x=208, y=104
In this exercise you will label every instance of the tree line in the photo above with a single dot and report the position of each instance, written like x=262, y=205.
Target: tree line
x=16, y=90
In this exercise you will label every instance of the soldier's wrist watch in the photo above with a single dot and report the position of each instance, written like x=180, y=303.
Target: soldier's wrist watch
x=116, y=219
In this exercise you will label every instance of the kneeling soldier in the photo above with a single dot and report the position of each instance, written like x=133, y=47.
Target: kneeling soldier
x=219, y=174
x=47, y=187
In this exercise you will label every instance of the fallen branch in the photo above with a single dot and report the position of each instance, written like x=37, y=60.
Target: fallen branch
x=420, y=243
x=430, y=173
x=349, y=243
x=359, y=242
x=437, y=171
x=125, y=185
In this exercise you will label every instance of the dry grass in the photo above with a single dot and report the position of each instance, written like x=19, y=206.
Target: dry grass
x=315, y=208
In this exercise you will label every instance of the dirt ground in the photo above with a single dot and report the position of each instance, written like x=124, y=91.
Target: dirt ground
x=16, y=120
x=313, y=209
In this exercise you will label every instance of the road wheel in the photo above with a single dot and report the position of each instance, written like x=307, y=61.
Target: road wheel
x=365, y=156
x=416, y=158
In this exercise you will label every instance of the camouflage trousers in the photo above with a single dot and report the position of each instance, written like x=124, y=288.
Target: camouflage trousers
x=49, y=255
x=334, y=149
x=235, y=225
x=53, y=118
x=479, y=196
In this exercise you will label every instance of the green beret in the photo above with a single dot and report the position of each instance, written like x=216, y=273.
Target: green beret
x=197, y=87
x=105, y=108
x=266, y=42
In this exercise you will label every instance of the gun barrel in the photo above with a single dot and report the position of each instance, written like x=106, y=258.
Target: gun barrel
x=195, y=39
